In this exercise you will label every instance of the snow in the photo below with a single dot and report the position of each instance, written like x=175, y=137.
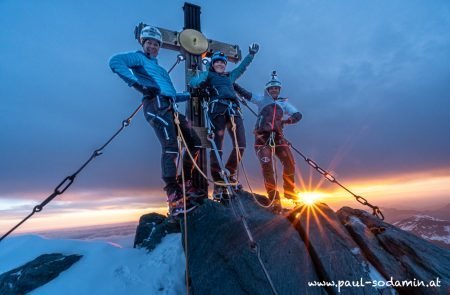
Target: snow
x=105, y=268
x=355, y=221
x=356, y=251
x=408, y=226
x=445, y=239
x=427, y=227
x=375, y=275
x=427, y=217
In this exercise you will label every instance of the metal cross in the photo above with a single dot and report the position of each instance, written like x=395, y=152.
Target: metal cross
x=194, y=111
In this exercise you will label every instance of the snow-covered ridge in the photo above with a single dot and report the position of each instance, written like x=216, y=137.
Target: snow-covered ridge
x=427, y=217
x=105, y=268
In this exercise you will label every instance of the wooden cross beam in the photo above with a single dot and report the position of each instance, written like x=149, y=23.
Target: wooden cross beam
x=170, y=41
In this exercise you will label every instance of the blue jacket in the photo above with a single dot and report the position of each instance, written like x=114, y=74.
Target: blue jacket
x=221, y=85
x=136, y=67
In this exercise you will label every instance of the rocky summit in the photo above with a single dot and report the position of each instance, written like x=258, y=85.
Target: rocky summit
x=243, y=248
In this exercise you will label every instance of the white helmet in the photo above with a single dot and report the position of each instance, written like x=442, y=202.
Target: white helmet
x=149, y=32
x=274, y=81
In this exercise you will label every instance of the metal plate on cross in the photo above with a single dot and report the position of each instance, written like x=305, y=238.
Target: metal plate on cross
x=193, y=41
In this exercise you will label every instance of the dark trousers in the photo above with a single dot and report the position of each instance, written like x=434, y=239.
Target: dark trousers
x=221, y=122
x=283, y=153
x=161, y=118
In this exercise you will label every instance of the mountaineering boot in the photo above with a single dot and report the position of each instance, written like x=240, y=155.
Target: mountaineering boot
x=221, y=194
x=291, y=194
x=276, y=204
x=194, y=194
x=238, y=186
x=217, y=192
x=176, y=202
x=227, y=194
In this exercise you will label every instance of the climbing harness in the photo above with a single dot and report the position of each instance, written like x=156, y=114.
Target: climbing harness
x=375, y=209
x=67, y=182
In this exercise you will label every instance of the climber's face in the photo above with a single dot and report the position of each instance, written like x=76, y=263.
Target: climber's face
x=151, y=47
x=274, y=91
x=219, y=66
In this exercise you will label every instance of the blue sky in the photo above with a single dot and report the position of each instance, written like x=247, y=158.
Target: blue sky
x=370, y=77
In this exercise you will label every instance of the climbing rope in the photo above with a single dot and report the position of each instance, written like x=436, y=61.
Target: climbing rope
x=227, y=184
x=180, y=150
x=187, y=150
x=236, y=144
x=233, y=128
x=273, y=146
x=253, y=244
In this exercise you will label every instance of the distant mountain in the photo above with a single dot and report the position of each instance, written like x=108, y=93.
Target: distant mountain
x=442, y=213
x=430, y=228
x=393, y=215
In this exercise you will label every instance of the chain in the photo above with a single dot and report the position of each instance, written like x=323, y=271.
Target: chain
x=375, y=209
x=186, y=251
x=68, y=181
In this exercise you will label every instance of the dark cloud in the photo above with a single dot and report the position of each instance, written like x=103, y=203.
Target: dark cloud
x=371, y=79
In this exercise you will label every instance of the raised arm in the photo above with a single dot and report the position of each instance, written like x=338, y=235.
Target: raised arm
x=237, y=72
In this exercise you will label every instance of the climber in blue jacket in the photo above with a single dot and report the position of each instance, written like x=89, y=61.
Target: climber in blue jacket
x=141, y=71
x=223, y=106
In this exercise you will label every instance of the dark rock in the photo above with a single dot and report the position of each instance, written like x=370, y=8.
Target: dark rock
x=300, y=247
x=35, y=273
x=152, y=228
x=397, y=253
x=336, y=256
x=222, y=261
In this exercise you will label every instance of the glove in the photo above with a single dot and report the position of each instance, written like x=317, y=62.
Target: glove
x=253, y=48
x=146, y=91
x=242, y=91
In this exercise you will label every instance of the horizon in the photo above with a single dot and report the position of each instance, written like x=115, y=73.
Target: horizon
x=371, y=80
